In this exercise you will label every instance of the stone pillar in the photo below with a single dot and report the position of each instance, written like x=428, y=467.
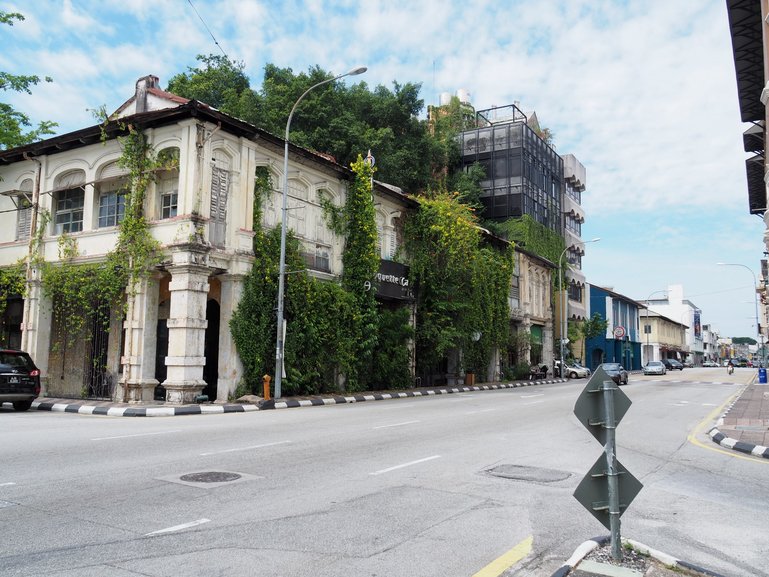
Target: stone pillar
x=187, y=323
x=36, y=328
x=138, y=381
x=230, y=365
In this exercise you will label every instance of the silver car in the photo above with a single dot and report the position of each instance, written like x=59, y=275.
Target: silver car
x=655, y=368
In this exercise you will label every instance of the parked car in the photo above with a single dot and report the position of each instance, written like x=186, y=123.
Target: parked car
x=710, y=364
x=572, y=370
x=19, y=379
x=672, y=364
x=617, y=373
x=655, y=368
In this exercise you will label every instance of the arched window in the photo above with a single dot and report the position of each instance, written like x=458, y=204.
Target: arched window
x=68, y=202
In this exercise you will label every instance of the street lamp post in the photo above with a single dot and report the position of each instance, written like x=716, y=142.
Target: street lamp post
x=646, y=323
x=565, y=302
x=755, y=300
x=280, y=339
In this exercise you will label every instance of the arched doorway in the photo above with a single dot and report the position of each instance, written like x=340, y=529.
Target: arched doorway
x=211, y=348
x=596, y=358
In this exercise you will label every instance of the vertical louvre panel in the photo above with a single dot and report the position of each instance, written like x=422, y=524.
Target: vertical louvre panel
x=25, y=221
x=218, y=225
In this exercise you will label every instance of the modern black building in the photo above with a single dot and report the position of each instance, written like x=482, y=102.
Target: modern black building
x=524, y=174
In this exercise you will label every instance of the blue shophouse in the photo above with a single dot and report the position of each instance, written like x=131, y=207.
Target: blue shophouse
x=622, y=342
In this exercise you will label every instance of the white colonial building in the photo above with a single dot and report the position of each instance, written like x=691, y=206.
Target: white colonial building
x=176, y=328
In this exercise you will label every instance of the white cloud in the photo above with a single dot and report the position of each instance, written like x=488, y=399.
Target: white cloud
x=643, y=93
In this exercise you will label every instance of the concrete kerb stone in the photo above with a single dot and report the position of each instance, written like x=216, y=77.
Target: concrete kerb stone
x=105, y=408
x=719, y=438
x=360, y=398
x=587, y=546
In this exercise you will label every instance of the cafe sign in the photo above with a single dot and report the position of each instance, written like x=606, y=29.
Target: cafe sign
x=392, y=281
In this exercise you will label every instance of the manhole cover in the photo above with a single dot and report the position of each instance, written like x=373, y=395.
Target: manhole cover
x=210, y=477
x=523, y=473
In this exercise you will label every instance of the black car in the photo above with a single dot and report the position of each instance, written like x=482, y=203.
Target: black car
x=617, y=373
x=672, y=364
x=19, y=379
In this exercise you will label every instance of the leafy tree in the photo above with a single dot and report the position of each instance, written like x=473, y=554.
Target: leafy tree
x=336, y=119
x=221, y=83
x=14, y=125
x=592, y=327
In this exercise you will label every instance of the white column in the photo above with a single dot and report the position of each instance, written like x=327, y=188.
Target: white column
x=187, y=323
x=138, y=381
x=230, y=365
x=36, y=330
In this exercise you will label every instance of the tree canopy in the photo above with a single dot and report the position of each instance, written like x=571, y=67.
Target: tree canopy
x=337, y=119
x=16, y=127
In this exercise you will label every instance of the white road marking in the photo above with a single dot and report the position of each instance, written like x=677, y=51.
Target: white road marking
x=397, y=424
x=480, y=411
x=532, y=396
x=178, y=527
x=709, y=405
x=532, y=403
x=6, y=484
x=381, y=471
x=249, y=448
x=136, y=435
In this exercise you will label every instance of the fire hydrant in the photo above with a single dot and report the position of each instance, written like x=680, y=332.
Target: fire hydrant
x=266, y=387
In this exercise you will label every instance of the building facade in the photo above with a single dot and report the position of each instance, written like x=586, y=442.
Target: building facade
x=749, y=29
x=524, y=174
x=664, y=339
x=175, y=338
x=621, y=342
x=680, y=309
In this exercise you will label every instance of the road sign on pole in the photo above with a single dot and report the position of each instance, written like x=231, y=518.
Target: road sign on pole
x=608, y=488
x=592, y=492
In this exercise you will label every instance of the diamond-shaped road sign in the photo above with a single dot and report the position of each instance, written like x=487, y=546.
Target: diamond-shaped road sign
x=589, y=407
x=593, y=491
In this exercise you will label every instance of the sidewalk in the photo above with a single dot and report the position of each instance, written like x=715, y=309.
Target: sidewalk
x=745, y=425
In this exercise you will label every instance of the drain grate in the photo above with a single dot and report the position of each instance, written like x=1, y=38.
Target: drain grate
x=210, y=477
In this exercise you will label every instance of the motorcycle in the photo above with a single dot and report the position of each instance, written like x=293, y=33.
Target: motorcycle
x=730, y=369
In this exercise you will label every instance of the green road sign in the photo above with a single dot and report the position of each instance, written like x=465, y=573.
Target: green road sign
x=593, y=491
x=589, y=408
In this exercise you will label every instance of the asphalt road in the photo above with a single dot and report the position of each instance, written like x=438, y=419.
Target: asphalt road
x=455, y=485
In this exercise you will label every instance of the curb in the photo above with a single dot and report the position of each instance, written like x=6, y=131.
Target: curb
x=586, y=547
x=720, y=439
x=339, y=399
x=112, y=410
x=727, y=442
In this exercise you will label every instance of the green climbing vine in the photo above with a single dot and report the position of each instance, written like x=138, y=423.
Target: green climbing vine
x=335, y=330
x=463, y=284
x=82, y=292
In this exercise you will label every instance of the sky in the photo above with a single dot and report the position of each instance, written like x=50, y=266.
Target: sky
x=642, y=93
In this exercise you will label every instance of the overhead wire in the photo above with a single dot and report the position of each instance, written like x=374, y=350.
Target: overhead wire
x=208, y=29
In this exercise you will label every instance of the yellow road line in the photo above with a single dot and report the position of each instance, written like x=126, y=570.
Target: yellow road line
x=501, y=564
x=692, y=438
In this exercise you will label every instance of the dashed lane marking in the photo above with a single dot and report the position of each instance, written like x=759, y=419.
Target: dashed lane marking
x=409, y=464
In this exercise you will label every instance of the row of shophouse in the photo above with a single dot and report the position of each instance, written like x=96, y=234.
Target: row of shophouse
x=175, y=331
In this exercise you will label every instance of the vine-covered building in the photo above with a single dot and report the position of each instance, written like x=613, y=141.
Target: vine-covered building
x=175, y=338
x=63, y=203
